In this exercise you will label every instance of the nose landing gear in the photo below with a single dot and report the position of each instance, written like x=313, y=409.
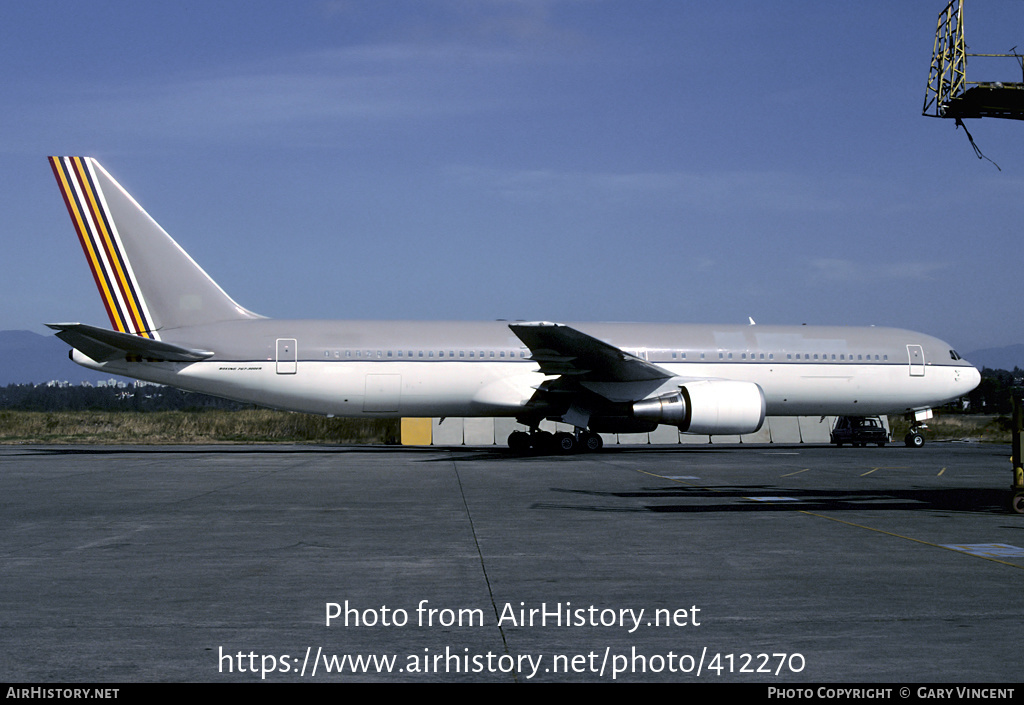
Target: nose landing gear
x=914, y=439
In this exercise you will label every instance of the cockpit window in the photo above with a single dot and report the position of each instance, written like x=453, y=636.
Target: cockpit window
x=953, y=354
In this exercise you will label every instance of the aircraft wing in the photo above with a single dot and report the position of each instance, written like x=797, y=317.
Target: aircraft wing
x=102, y=345
x=563, y=350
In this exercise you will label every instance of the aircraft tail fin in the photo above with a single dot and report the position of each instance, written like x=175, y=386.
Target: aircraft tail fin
x=148, y=283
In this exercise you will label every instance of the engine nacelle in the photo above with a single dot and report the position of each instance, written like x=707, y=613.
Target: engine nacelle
x=711, y=406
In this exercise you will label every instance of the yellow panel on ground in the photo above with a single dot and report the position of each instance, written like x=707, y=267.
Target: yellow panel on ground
x=416, y=432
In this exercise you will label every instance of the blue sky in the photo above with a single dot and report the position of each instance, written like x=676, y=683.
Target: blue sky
x=566, y=160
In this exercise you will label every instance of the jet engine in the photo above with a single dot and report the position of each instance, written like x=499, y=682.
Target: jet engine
x=711, y=406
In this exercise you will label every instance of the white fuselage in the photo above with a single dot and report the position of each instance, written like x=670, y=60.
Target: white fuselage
x=379, y=369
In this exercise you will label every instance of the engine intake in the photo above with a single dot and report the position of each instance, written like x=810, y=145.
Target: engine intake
x=712, y=406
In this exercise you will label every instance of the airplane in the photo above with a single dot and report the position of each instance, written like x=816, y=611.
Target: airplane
x=170, y=323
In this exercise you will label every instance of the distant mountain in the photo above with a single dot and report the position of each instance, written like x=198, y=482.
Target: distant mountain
x=29, y=358
x=998, y=358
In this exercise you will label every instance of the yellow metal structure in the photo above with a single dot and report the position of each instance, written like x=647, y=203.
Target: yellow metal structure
x=1016, y=459
x=947, y=76
x=949, y=94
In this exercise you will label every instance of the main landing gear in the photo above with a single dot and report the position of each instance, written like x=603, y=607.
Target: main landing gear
x=562, y=443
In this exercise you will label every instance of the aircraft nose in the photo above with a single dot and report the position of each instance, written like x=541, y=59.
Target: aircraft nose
x=970, y=378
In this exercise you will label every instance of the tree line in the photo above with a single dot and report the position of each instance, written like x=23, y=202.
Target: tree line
x=996, y=390
x=150, y=397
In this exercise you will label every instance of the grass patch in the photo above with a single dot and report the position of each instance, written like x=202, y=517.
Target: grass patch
x=954, y=427
x=268, y=426
x=181, y=427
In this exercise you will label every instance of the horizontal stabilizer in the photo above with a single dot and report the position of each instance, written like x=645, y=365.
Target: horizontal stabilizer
x=103, y=345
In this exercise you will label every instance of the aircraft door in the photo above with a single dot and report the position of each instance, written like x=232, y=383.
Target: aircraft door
x=287, y=356
x=916, y=353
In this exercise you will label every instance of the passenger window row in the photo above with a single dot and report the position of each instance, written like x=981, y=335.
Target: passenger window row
x=424, y=354
x=820, y=357
x=373, y=354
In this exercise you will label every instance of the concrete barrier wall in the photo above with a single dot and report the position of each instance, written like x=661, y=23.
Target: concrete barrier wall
x=783, y=429
x=456, y=431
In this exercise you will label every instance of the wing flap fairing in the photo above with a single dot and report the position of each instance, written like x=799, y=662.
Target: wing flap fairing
x=562, y=350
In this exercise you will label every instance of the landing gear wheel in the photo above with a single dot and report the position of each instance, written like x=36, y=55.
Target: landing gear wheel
x=565, y=443
x=1017, y=503
x=542, y=441
x=519, y=442
x=591, y=442
x=914, y=440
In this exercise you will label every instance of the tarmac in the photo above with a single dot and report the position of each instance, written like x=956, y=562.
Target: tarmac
x=775, y=564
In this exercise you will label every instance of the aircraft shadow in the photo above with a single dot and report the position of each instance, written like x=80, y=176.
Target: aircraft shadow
x=754, y=498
